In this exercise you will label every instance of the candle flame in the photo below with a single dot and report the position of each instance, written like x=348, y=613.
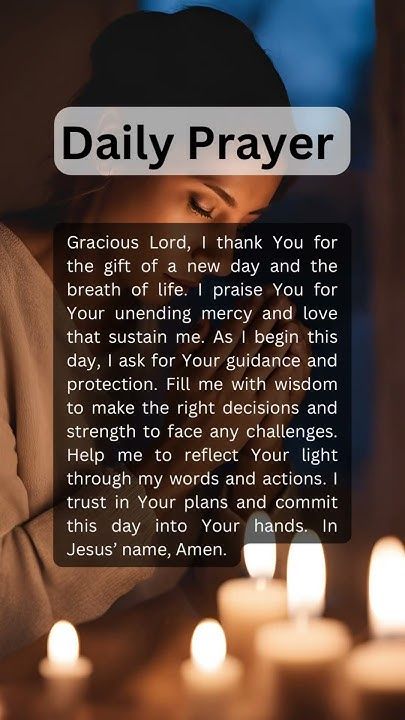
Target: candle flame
x=259, y=550
x=208, y=645
x=260, y=559
x=306, y=577
x=63, y=644
x=386, y=588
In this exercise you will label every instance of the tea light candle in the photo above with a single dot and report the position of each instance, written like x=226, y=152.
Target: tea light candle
x=66, y=673
x=376, y=669
x=211, y=678
x=300, y=660
x=245, y=604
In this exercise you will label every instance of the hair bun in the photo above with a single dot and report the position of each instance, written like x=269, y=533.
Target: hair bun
x=127, y=41
x=197, y=56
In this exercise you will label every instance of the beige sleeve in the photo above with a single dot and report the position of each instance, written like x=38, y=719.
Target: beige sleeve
x=34, y=591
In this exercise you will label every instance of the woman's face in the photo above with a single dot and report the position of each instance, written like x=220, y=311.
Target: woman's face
x=183, y=200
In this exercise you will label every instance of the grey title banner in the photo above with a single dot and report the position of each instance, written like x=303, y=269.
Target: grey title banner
x=202, y=141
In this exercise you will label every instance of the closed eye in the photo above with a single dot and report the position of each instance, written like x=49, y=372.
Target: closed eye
x=198, y=209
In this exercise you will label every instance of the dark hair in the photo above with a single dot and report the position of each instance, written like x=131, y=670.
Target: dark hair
x=195, y=57
x=198, y=56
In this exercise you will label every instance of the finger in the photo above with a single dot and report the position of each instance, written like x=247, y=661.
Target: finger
x=255, y=336
x=276, y=385
x=261, y=328
x=267, y=292
x=281, y=378
x=269, y=421
x=304, y=335
x=201, y=330
x=233, y=328
x=270, y=355
x=277, y=352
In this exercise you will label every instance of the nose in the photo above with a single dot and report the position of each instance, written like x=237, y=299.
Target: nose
x=219, y=260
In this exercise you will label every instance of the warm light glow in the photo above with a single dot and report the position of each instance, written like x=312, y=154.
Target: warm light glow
x=208, y=645
x=386, y=588
x=260, y=556
x=260, y=559
x=63, y=644
x=306, y=577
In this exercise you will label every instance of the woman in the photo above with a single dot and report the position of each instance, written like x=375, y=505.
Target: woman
x=194, y=57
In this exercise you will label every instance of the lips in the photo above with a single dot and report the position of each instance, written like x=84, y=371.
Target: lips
x=184, y=283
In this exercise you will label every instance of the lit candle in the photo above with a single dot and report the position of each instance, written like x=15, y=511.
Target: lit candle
x=301, y=660
x=376, y=669
x=245, y=604
x=64, y=670
x=211, y=678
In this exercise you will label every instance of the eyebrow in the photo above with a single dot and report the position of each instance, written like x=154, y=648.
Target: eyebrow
x=228, y=199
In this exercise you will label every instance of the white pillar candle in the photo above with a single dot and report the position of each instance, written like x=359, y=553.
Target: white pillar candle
x=376, y=669
x=300, y=660
x=211, y=678
x=245, y=604
x=66, y=673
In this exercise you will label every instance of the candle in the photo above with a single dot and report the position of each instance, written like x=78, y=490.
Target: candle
x=300, y=660
x=376, y=669
x=64, y=670
x=244, y=604
x=211, y=678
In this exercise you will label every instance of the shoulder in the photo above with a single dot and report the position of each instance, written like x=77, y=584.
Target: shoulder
x=22, y=281
x=8, y=250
